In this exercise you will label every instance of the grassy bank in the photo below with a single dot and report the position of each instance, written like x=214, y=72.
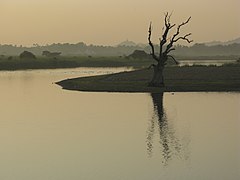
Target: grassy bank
x=177, y=79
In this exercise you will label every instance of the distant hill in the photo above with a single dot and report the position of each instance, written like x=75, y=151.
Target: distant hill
x=127, y=43
x=233, y=41
x=214, y=43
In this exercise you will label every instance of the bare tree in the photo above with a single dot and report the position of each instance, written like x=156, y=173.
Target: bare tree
x=166, y=46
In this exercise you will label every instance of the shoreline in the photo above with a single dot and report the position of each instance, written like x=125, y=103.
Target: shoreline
x=74, y=62
x=177, y=79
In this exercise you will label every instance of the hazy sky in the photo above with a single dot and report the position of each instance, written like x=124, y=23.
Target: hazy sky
x=109, y=22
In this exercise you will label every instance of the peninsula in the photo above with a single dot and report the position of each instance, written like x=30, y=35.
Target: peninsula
x=177, y=79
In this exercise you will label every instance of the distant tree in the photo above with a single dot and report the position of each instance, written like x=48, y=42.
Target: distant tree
x=27, y=55
x=166, y=46
x=10, y=58
x=51, y=54
x=139, y=54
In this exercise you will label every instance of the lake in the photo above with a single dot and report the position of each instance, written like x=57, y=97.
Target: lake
x=47, y=133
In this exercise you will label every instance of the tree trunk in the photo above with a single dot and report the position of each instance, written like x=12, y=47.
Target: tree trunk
x=157, y=79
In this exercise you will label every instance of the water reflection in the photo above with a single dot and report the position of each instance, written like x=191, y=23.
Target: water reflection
x=170, y=144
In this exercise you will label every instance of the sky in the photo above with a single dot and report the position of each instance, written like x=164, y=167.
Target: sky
x=109, y=22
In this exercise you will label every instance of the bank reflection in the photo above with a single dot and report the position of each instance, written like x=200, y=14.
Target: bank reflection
x=159, y=126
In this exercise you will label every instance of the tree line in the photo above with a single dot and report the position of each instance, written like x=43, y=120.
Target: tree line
x=81, y=49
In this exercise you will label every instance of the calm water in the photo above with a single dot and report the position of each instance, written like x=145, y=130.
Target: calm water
x=47, y=133
x=205, y=62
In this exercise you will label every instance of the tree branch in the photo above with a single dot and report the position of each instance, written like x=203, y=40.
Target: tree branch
x=184, y=38
x=150, y=43
x=173, y=59
x=175, y=39
x=152, y=65
x=179, y=27
x=168, y=26
x=172, y=49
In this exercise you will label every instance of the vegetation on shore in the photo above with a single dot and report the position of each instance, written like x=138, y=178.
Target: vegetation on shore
x=81, y=49
x=16, y=63
x=41, y=62
x=178, y=79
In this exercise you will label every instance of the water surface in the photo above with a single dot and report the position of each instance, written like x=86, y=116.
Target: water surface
x=54, y=134
x=206, y=62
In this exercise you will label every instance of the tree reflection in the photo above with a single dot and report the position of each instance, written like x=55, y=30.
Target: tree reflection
x=159, y=122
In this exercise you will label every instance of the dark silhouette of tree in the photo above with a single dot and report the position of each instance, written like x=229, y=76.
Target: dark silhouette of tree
x=166, y=46
x=27, y=55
